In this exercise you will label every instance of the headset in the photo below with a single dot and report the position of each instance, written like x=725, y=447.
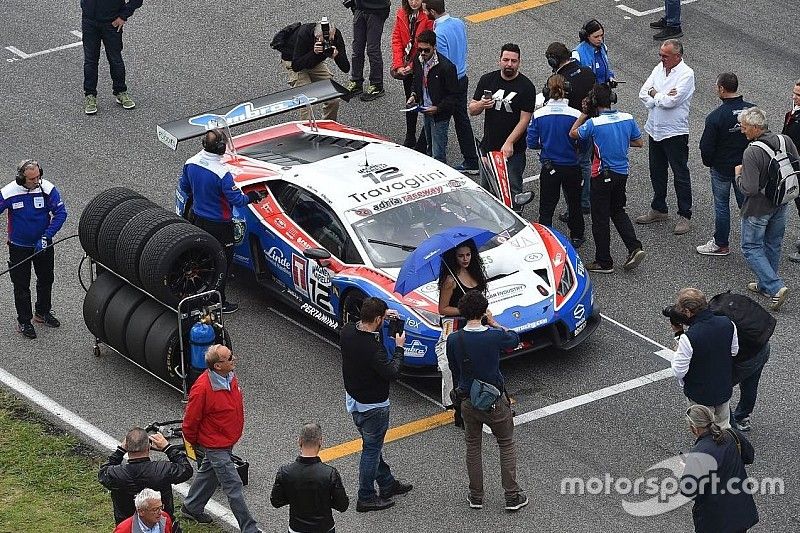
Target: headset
x=612, y=97
x=552, y=61
x=546, y=88
x=218, y=145
x=23, y=166
x=583, y=33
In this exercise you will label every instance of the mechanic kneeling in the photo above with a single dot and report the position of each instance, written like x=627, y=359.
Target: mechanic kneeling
x=209, y=184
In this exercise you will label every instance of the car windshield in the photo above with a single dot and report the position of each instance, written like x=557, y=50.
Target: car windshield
x=403, y=227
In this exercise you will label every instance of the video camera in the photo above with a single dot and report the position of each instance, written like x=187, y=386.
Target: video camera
x=676, y=318
x=327, y=43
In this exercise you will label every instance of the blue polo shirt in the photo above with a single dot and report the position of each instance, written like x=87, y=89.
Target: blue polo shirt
x=451, y=41
x=612, y=133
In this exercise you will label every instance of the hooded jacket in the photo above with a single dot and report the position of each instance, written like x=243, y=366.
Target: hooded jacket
x=108, y=10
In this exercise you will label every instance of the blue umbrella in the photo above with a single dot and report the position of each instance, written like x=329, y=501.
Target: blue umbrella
x=424, y=263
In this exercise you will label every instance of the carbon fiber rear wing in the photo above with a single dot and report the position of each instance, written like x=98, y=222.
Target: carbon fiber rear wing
x=173, y=132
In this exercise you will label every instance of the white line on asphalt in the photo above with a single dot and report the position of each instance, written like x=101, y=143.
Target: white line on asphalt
x=649, y=11
x=664, y=352
x=97, y=435
x=23, y=55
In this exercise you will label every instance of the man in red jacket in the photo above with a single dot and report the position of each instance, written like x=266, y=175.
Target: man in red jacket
x=149, y=516
x=213, y=423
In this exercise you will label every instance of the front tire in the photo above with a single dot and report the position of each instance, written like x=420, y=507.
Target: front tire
x=351, y=306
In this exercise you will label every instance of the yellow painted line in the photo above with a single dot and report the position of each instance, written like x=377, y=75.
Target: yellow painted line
x=498, y=12
x=400, y=432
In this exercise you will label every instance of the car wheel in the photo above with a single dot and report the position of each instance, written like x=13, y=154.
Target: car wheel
x=163, y=349
x=135, y=235
x=181, y=260
x=117, y=318
x=351, y=306
x=112, y=226
x=141, y=320
x=96, y=302
x=96, y=211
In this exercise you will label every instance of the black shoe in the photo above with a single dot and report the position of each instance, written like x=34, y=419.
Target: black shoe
x=670, y=32
x=48, y=319
x=475, y=503
x=378, y=504
x=517, y=502
x=373, y=92
x=577, y=242
x=660, y=23
x=201, y=518
x=229, y=308
x=26, y=329
x=743, y=424
x=458, y=420
x=634, y=259
x=564, y=217
x=397, y=488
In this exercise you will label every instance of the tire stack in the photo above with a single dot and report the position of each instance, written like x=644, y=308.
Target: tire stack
x=157, y=251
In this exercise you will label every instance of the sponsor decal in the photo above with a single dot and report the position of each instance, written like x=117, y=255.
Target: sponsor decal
x=487, y=260
x=430, y=287
x=319, y=316
x=291, y=233
x=363, y=212
x=412, y=323
x=245, y=112
x=419, y=195
x=239, y=230
x=516, y=314
x=531, y=325
x=410, y=183
x=520, y=241
x=320, y=273
x=504, y=293
x=533, y=257
x=415, y=349
x=415, y=302
x=386, y=204
x=293, y=295
x=242, y=258
x=280, y=223
x=302, y=242
x=581, y=269
x=558, y=259
x=542, y=290
x=299, y=277
x=380, y=172
x=579, y=328
x=275, y=257
x=579, y=312
x=455, y=183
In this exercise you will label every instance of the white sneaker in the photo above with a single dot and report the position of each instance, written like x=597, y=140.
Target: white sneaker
x=711, y=248
x=779, y=298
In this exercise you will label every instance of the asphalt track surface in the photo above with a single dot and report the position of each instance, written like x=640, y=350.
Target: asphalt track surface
x=190, y=57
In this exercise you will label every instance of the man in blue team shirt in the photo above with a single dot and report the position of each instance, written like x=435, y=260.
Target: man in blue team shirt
x=451, y=42
x=612, y=133
x=209, y=184
x=35, y=214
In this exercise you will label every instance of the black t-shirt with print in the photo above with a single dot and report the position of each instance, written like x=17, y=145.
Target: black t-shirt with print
x=511, y=97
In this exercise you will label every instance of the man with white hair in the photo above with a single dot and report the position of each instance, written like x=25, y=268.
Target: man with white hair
x=150, y=516
x=763, y=222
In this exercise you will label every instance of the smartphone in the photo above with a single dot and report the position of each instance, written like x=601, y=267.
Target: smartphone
x=487, y=94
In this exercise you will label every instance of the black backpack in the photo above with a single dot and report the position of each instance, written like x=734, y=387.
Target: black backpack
x=281, y=40
x=754, y=324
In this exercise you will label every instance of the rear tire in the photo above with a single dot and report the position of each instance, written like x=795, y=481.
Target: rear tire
x=96, y=211
x=135, y=235
x=139, y=324
x=163, y=349
x=117, y=319
x=96, y=302
x=112, y=226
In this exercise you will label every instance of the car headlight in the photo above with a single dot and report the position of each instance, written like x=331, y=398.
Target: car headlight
x=566, y=282
x=433, y=319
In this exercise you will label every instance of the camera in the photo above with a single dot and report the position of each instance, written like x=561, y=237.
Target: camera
x=327, y=43
x=676, y=318
x=396, y=326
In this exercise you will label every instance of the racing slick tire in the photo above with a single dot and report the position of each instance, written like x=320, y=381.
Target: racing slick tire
x=351, y=306
x=134, y=236
x=116, y=320
x=112, y=226
x=95, y=303
x=96, y=211
x=181, y=260
x=162, y=352
x=139, y=324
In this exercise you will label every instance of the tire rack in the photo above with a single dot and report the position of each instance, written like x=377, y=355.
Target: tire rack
x=215, y=308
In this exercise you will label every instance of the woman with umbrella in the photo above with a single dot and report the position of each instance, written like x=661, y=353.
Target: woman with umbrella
x=461, y=271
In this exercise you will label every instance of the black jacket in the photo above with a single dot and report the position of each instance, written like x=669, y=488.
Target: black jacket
x=791, y=127
x=125, y=481
x=108, y=10
x=581, y=80
x=442, y=86
x=723, y=143
x=311, y=489
x=720, y=511
x=709, y=379
x=302, y=41
x=366, y=368
x=376, y=7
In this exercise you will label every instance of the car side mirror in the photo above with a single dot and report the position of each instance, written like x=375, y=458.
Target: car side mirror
x=320, y=255
x=523, y=198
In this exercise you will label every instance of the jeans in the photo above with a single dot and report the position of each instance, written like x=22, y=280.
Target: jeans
x=466, y=138
x=515, y=167
x=217, y=469
x=761, y=245
x=411, y=140
x=721, y=187
x=585, y=161
x=330, y=109
x=747, y=374
x=608, y=202
x=672, y=13
x=224, y=233
x=672, y=151
x=43, y=264
x=436, y=133
x=568, y=178
x=501, y=421
x=372, y=425
x=94, y=34
x=367, y=32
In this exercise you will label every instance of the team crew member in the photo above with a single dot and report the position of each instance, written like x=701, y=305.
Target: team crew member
x=508, y=104
x=791, y=128
x=612, y=133
x=549, y=132
x=35, y=214
x=592, y=52
x=209, y=183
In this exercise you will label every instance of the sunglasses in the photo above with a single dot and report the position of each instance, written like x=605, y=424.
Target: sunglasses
x=425, y=50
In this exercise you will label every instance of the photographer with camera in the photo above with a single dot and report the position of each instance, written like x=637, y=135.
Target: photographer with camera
x=367, y=371
x=311, y=45
x=706, y=344
x=140, y=472
x=612, y=133
x=481, y=393
x=549, y=131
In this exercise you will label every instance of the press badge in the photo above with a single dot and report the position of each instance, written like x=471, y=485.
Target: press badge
x=38, y=202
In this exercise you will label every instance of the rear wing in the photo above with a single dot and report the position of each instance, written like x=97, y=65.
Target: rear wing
x=173, y=132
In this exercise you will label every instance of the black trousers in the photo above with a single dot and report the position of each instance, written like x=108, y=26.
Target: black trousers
x=94, y=34
x=671, y=152
x=608, y=203
x=464, y=133
x=420, y=144
x=367, y=32
x=43, y=264
x=223, y=232
x=550, y=184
